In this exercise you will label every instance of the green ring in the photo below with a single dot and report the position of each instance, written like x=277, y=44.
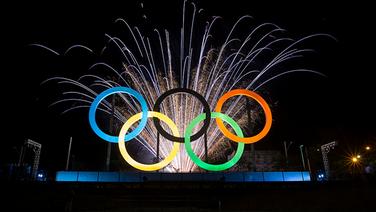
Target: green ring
x=197, y=160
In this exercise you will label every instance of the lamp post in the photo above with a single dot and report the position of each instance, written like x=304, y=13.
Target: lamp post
x=286, y=147
x=308, y=163
x=301, y=154
x=68, y=155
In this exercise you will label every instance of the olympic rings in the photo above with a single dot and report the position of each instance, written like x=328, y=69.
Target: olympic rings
x=195, y=94
x=148, y=167
x=197, y=160
x=104, y=94
x=188, y=138
x=260, y=100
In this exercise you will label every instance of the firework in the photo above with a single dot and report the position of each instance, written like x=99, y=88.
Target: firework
x=249, y=57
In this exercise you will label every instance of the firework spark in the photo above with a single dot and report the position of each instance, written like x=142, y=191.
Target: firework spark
x=247, y=58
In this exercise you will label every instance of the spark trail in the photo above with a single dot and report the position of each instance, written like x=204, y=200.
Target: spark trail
x=249, y=57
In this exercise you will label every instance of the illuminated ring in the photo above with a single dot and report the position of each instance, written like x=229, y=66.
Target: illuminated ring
x=195, y=94
x=260, y=100
x=197, y=160
x=104, y=94
x=141, y=166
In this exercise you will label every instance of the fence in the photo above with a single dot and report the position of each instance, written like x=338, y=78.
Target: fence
x=94, y=176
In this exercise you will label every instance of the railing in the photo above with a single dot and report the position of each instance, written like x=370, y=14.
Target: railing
x=93, y=176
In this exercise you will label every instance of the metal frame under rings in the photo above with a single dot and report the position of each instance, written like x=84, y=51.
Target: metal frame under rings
x=207, y=112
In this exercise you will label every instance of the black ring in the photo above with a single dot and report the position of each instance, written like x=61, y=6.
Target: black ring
x=195, y=94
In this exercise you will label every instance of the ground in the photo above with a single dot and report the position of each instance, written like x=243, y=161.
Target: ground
x=202, y=196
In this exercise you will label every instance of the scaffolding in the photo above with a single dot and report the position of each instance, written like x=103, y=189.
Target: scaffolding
x=36, y=147
x=325, y=149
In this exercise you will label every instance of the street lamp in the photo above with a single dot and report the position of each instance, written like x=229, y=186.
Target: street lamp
x=368, y=147
x=354, y=159
x=286, y=149
x=301, y=154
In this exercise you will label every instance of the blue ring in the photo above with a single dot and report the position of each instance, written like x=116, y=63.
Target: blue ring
x=104, y=94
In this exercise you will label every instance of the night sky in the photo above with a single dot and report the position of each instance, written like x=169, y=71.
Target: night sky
x=310, y=110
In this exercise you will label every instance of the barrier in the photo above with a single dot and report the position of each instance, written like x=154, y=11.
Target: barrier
x=106, y=177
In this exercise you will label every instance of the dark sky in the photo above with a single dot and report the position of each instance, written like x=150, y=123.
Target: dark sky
x=310, y=110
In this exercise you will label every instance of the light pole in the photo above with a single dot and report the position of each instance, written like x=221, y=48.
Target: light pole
x=308, y=163
x=68, y=155
x=286, y=149
x=301, y=154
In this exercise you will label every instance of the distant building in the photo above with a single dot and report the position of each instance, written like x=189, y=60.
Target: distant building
x=266, y=160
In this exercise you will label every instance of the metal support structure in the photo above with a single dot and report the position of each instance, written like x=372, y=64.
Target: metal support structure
x=206, y=147
x=36, y=147
x=286, y=149
x=250, y=126
x=302, y=155
x=112, y=130
x=308, y=163
x=157, y=148
x=68, y=155
x=20, y=159
x=325, y=149
x=156, y=160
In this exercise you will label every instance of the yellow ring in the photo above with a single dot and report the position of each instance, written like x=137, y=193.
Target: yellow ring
x=141, y=166
x=260, y=100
